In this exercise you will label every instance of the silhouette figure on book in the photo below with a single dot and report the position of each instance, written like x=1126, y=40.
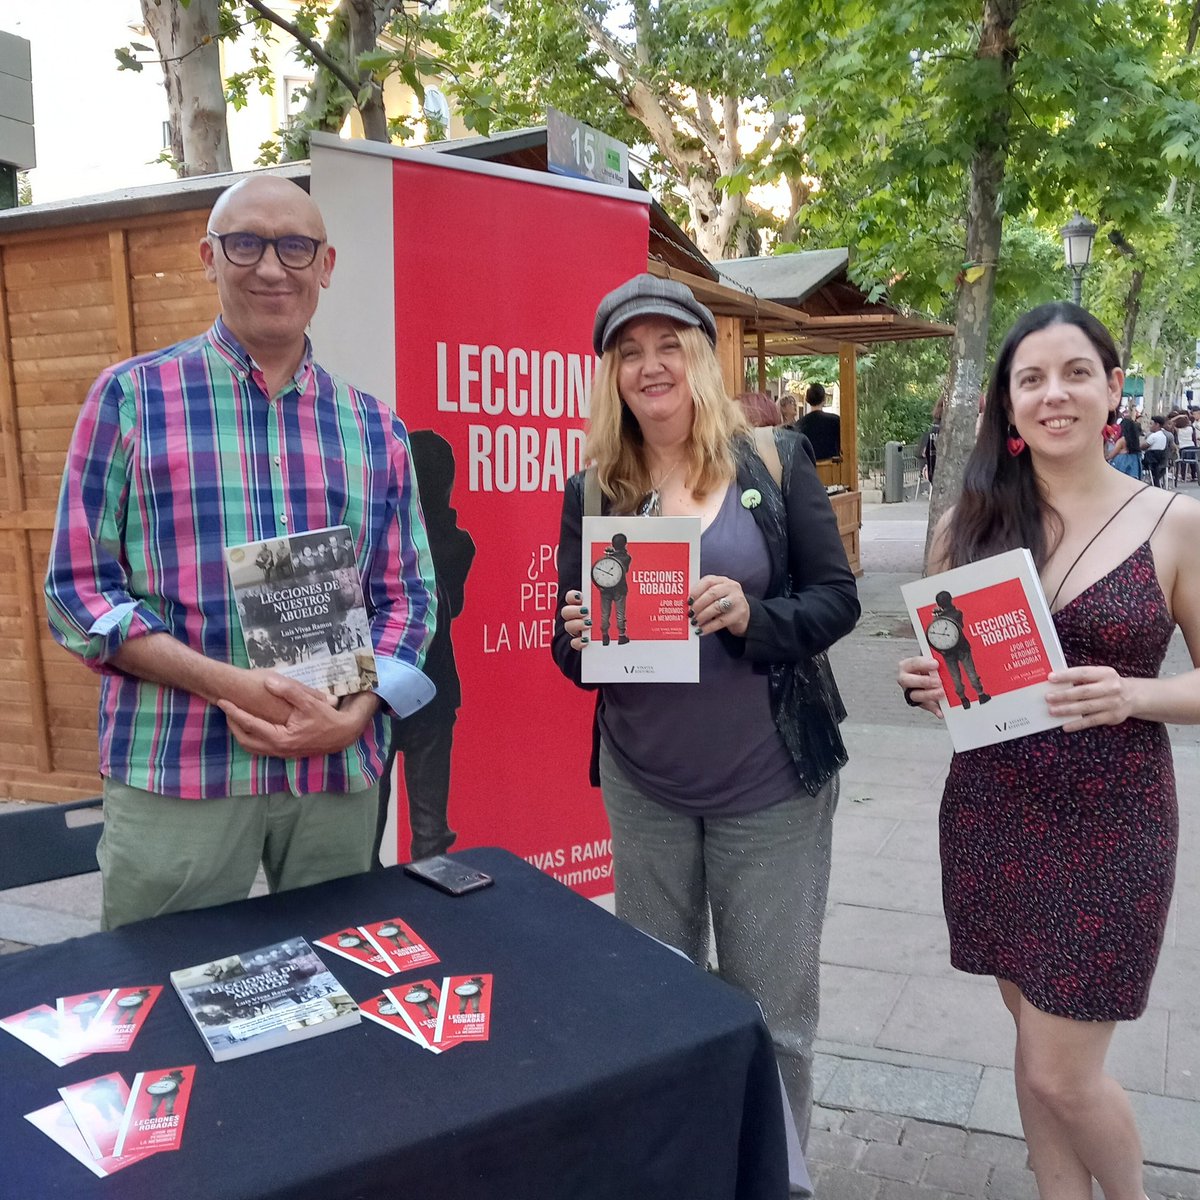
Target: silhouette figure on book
x=948, y=638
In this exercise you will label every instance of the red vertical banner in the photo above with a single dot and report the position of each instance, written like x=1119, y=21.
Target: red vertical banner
x=496, y=282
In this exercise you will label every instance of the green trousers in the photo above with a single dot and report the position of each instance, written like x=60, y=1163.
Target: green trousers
x=159, y=854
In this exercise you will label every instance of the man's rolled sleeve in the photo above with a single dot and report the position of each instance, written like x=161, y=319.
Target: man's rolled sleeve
x=401, y=591
x=92, y=612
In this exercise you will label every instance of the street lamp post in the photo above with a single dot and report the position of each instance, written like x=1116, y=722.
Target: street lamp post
x=1077, y=235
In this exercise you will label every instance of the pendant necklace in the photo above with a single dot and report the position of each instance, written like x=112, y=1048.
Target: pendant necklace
x=652, y=505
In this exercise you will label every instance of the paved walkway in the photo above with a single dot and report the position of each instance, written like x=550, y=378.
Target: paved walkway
x=914, y=1082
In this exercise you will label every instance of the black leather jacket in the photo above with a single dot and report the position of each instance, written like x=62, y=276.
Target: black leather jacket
x=811, y=602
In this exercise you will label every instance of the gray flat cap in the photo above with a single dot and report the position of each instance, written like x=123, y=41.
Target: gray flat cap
x=649, y=296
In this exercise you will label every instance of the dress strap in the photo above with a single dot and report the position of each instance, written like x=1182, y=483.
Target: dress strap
x=1125, y=504
x=1166, y=509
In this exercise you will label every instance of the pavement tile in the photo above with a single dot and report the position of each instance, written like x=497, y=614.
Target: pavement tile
x=906, y=1091
x=893, y=1190
x=834, y=1149
x=882, y=940
x=838, y=1183
x=859, y=832
x=999, y=1151
x=829, y=1119
x=953, y=1173
x=1183, y=1055
x=856, y=1002
x=934, y=1139
x=916, y=841
x=1169, y=1128
x=1011, y=1183
x=1166, y=1182
x=879, y=881
x=960, y=1017
x=894, y=1162
x=995, y=1107
x=823, y=1070
x=897, y=1058
x=872, y=1127
x=1177, y=981
x=1137, y=1058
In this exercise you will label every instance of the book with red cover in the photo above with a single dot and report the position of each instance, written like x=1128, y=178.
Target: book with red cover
x=464, y=1010
x=400, y=943
x=989, y=628
x=97, y=1106
x=637, y=574
x=155, y=1115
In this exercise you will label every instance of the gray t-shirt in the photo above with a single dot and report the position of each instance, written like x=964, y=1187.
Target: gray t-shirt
x=709, y=749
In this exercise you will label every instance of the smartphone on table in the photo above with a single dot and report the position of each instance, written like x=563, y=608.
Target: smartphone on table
x=448, y=875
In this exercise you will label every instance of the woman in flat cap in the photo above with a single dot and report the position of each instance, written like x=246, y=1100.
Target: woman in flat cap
x=720, y=794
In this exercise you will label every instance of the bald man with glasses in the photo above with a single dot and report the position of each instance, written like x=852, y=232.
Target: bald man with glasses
x=210, y=765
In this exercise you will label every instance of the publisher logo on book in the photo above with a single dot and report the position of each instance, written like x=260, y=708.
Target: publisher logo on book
x=638, y=669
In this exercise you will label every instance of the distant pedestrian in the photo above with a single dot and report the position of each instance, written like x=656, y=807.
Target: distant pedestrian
x=823, y=429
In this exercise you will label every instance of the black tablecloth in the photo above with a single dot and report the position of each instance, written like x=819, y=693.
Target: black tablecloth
x=615, y=1068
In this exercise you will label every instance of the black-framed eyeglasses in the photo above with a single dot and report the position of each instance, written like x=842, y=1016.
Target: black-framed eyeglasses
x=294, y=250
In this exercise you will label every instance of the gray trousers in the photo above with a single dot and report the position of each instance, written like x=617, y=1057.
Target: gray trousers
x=765, y=878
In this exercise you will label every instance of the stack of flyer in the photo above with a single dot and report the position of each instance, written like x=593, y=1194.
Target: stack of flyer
x=385, y=947
x=108, y=1124
x=102, y=1021
x=263, y=998
x=436, y=1016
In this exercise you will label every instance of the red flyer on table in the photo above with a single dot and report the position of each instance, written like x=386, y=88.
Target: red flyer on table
x=353, y=944
x=56, y=1122
x=400, y=943
x=97, y=1106
x=385, y=1011
x=418, y=1004
x=76, y=1015
x=38, y=1028
x=156, y=1112
x=465, y=1010
x=124, y=1015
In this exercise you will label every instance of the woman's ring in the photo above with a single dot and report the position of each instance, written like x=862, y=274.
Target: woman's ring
x=724, y=604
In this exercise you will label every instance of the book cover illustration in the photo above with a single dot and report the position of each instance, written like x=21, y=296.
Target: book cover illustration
x=97, y=1107
x=354, y=945
x=464, y=1010
x=989, y=628
x=637, y=572
x=114, y=1029
x=56, y=1122
x=38, y=1027
x=156, y=1112
x=263, y=998
x=400, y=943
x=301, y=605
x=385, y=1010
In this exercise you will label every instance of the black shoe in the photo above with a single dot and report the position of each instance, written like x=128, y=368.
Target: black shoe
x=984, y=697
x=622, y=640
x=966, y=703
x=605, y=639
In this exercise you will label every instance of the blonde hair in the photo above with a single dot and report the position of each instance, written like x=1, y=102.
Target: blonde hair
x=615, y=444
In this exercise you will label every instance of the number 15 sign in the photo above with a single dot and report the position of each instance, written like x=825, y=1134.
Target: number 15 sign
x=573, y=148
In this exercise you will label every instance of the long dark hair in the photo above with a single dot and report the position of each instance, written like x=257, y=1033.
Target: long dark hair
x=1002, y=506
x=1132, y=433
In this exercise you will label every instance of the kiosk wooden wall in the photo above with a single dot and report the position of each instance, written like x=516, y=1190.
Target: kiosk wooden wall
x=73, y=300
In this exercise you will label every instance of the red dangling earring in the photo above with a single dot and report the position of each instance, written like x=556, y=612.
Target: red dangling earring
x=1016, y=443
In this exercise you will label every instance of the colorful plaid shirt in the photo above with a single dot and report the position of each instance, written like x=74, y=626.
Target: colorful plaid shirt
x=178, y=454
